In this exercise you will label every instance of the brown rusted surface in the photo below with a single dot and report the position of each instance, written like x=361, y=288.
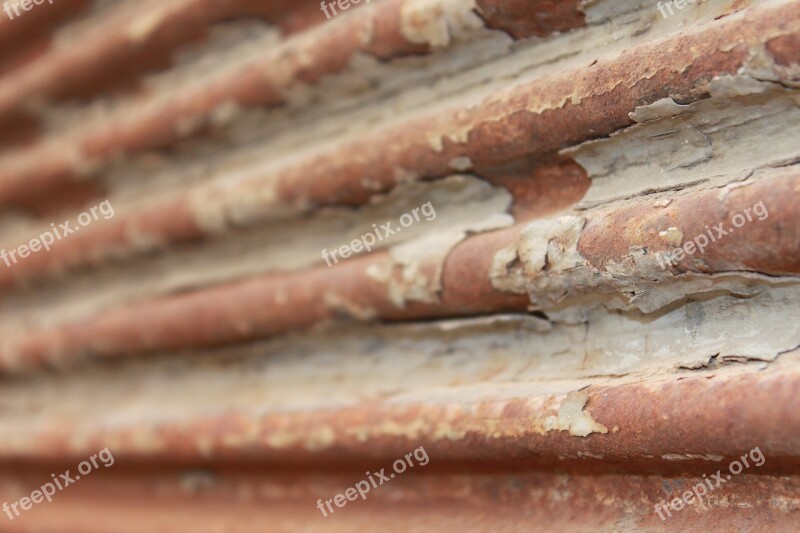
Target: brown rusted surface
x=24, y=31
x=500, y=130
x=557, y=375
x=538, y=190
x=221, y=499
x=23, y=40
x=521, y=18
x=81, y=68
x=519, y=123
x=377, y=30
x=769, y=245
x=272, y=304
x=658, y=425
x=105, y=241
x=258, y=307
x=784, y=49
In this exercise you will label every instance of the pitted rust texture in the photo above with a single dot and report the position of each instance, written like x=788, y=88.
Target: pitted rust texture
x=657, y=424
x=273, y=304
x=577, y=386
x=568, y=108
x=595, y=99
x=525, y=18
x=537, y=190
x=770, y=245
x=258, y=307
x=613, y=257
x=380, y=30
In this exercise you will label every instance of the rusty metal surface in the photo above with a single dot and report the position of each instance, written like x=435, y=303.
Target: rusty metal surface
x=79, y=67
x=276, y=303
x=451, y=501
x=386, y=30
x=533, y=337
x=700, y=416
x=496, y=132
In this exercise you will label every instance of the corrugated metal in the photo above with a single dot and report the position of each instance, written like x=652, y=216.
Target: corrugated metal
x=529, y=337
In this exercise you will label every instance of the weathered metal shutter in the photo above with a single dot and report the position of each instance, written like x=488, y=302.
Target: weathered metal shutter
x=400, y=265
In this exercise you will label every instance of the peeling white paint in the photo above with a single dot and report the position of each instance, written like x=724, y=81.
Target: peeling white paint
x=573, y=417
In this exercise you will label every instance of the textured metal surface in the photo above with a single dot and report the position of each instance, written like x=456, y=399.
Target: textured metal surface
x=559, y=375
